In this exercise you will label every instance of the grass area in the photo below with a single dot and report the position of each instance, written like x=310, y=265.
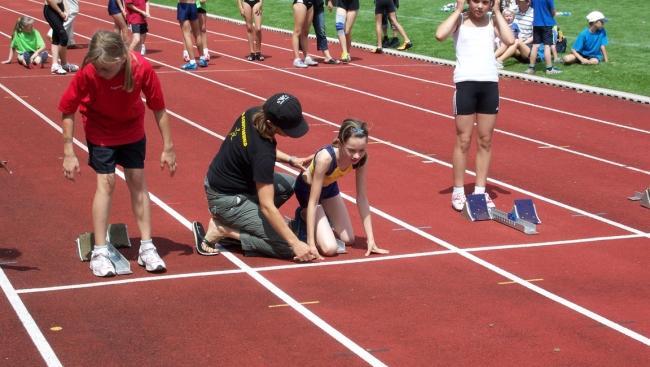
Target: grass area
x=628, y=31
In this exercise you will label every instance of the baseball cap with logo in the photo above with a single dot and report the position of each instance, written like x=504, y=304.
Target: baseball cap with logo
x=595, y=16
x=285, y=112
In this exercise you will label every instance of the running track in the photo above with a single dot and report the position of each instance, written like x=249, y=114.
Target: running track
x=450, y=293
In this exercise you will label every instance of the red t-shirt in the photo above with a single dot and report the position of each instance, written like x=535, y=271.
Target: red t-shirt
x=111, y=115
x=133, y=17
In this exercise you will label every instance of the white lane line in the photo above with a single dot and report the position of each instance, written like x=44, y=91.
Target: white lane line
x=329, y=263
x=305, y=312
x=43, y=347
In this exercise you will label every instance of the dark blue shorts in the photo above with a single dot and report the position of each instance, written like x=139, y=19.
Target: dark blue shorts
x=113, y=8
x=301, y=189
x=140, y=28
x=28, y=55
x=186, y=11
x=104, y=159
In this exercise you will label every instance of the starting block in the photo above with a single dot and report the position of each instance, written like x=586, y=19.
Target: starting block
x=523, y=216
x=116, y=237
x=643, y=197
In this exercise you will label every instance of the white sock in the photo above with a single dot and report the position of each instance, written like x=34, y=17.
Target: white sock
x=459, y=190
x=100, y=249
x=479, y=190
x=192, y=61
x=146, y=244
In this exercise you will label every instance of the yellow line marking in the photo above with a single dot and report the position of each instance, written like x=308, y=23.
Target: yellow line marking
x=302, y=303
x=528, y=280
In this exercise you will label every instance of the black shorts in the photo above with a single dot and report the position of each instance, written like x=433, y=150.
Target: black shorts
x=251, y=3
x=476, y=97
x=140, y=28
x=348, y=5
x=307, y=3
x=104, y=159
x=186, y=11
x=59, y=35
x=543, y=34
x=384, y=6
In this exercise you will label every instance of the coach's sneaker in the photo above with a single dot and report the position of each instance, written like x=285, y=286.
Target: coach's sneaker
x=149, y=258
x=458, y=201
x=310, y=62
x=186, y=56
x=297, y=62
x=189, y=66
x=100, y=264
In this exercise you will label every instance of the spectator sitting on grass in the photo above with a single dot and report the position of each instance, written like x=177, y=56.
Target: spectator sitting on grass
x=589, y=47
x=503, y=52
x=524, y=19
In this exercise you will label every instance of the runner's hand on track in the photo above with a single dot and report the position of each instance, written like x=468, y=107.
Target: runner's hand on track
x=373, y=249
x=70, y=167
x=303, y=252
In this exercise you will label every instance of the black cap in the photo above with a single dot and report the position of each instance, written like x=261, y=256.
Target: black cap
x=285, y=112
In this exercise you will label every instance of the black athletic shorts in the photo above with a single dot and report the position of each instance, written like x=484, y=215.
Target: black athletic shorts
x=348, y=5
x=543, y=34
x=104, y=159
x=476, y=97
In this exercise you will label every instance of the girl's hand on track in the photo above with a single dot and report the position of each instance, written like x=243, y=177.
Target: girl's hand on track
x=373, y=249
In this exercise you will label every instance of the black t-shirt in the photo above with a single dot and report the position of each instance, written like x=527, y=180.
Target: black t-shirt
x=244, y=159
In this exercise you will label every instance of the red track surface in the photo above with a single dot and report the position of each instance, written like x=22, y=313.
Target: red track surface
x=425, y=306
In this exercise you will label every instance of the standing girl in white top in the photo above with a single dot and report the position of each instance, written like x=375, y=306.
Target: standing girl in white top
x=476, y=99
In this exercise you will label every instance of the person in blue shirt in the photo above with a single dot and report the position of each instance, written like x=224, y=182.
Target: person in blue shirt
x=543, y=22
x=589, y=47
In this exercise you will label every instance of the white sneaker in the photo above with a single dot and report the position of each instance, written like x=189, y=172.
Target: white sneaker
x=309, y=61
x=299, y=63
x=143, y=50
x=206, y=54
x=58, y=69
x=101, y=265
x=488, y=201
x=186, y=56
x=458, y=201
x=150, y=259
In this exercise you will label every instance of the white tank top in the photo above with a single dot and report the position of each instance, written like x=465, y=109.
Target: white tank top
x=475, y=59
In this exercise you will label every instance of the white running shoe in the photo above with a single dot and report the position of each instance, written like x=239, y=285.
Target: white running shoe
x=206, y=54
x=143, y=50
x=310, y=62
x=299, y=63
x=458, y=201
x=58, y=69
x=150, y=259
x=186, y=56
x=101, y=265
x=488, y=201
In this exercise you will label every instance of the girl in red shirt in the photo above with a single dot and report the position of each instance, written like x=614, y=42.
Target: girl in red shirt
x=107, y=93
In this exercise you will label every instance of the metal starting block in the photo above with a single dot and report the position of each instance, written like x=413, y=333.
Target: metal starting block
x=523, y=216
x=116, y=237
x=643, y=197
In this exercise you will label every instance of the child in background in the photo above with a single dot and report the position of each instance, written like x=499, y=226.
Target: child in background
x=110, y=76
x=388, y=7
x=55, y=14
x=137, y=12
x=589, y=46
x=476, y=100
x=203, y=29
x=543, y=22
x=503, y=52
x=320, y=200
x=251, y=11
x=188, y=19
x=118, y=13
x=346, y=14
x=28, y=43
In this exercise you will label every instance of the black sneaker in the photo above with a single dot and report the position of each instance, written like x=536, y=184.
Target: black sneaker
x=394, y=42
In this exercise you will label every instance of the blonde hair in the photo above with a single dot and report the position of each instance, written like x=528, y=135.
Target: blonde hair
x=352, y=128
x=260, y=122
x=107, y=47
x=21, y=23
